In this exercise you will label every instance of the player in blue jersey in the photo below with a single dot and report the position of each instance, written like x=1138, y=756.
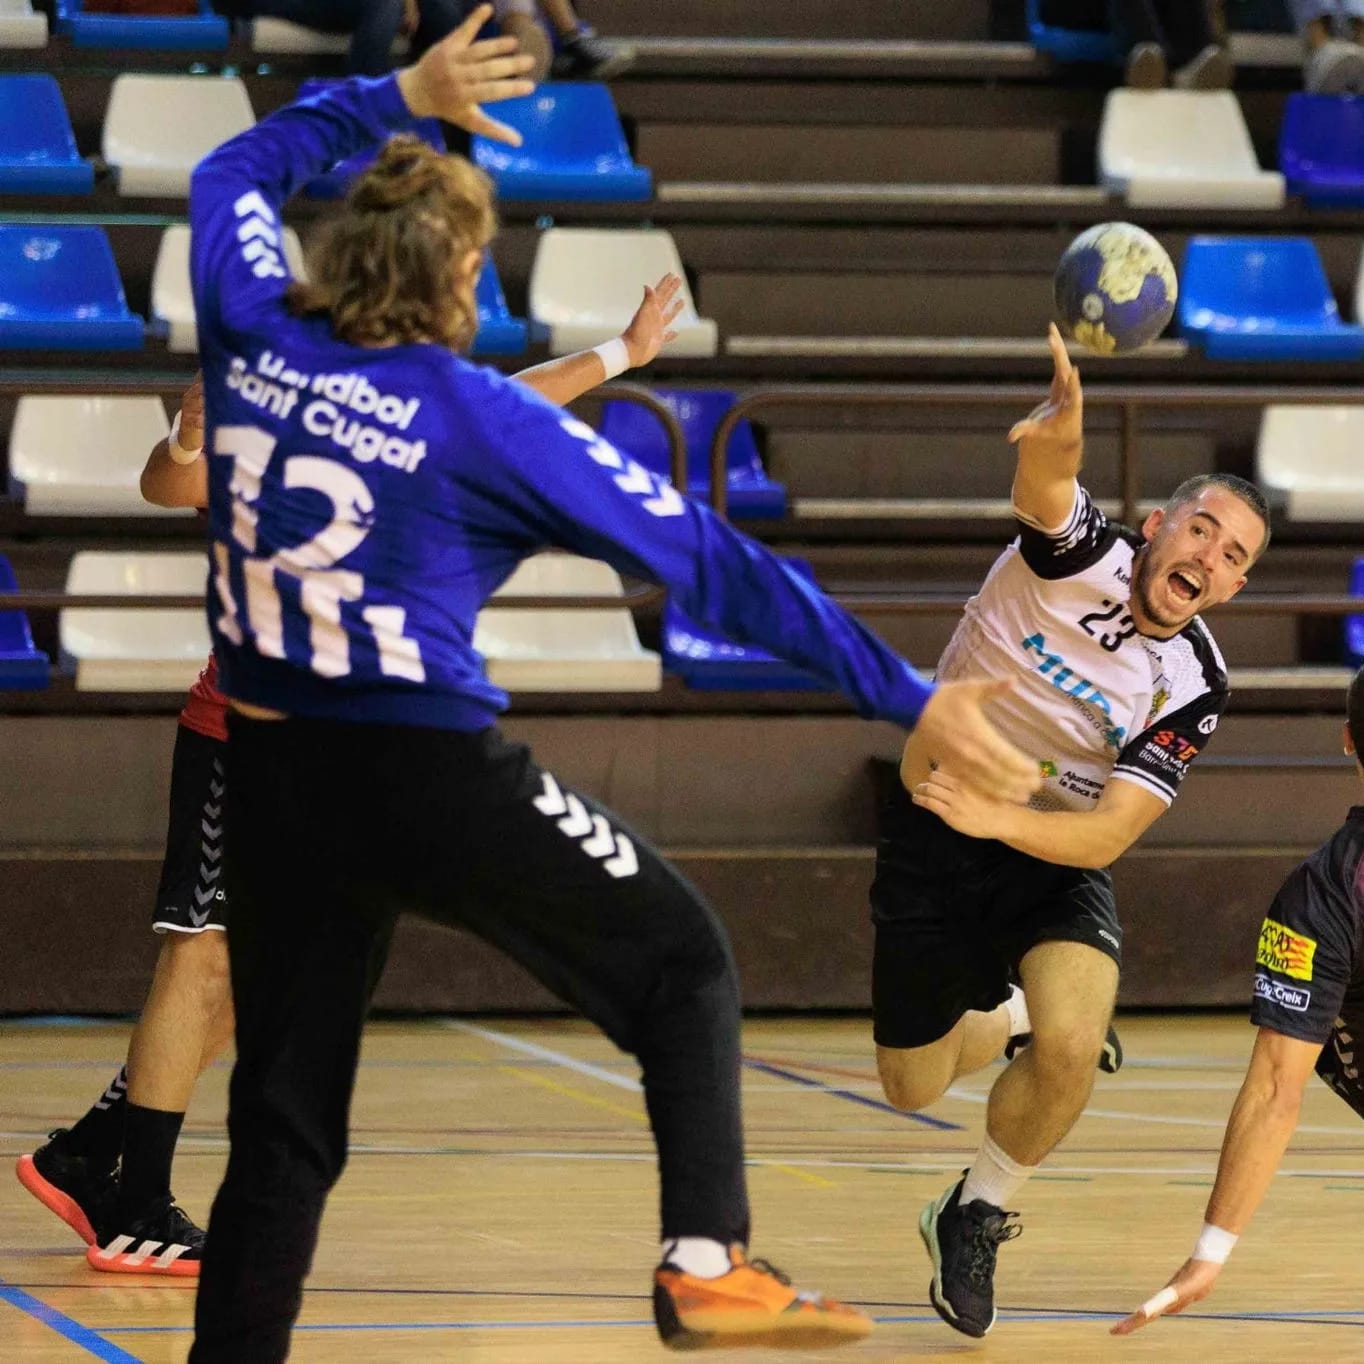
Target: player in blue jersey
x=368, y=490
x=108, y=1176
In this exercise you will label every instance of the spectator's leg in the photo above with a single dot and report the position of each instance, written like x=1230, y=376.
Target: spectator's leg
x=323, y=16
x=377, y=24
x=1312, y=19
x=1201, y=61
x=1331, y=65
x=582, y=54
x=518, y=19
x=1188, y=29
x=1138, y=32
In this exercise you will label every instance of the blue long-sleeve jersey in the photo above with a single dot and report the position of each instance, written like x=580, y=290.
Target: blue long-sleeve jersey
x=364, y=503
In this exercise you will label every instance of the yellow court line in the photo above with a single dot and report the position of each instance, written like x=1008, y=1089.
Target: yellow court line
x=569, y=1091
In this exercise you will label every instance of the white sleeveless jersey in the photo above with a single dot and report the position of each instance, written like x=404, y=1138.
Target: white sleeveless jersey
x=1093, y=699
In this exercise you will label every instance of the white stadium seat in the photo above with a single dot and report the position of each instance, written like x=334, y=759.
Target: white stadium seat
x=135, y=650
x=570, y=650
x=587, y=282
x=82, y=455
x=172, y=298
x=1182, y=149
x=157, y=128
x=1308, y=458
x=20, y=26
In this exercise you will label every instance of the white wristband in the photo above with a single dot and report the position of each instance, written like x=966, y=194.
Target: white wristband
x=177, y=451
x=614, y=355
x=1214, y=1244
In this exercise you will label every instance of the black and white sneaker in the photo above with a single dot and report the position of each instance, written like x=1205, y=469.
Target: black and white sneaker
x=583, y=56
x=79, y=1190
x=1110, y=1057
x=161, y=1240
x=962, y=1242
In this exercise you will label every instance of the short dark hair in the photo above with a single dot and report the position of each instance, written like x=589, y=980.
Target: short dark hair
x=1354, y=713
x=1238, y=487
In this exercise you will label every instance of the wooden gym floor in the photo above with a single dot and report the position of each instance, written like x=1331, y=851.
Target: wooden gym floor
x=499, y=1204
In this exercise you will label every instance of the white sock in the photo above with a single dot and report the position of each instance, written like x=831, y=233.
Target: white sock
x=697, y=1255
x=1017, y=1007
x=995, y=1177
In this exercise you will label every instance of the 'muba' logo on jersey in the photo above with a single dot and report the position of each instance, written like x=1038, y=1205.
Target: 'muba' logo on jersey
x=1081, y=689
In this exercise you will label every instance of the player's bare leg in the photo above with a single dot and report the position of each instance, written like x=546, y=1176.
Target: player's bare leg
x=1070, y=989
x=914, y=1077
x=186, y=1023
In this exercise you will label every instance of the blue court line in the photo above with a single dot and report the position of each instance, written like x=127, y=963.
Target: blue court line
x=908, y=1319
x=768, y=1069
x=77, y=1334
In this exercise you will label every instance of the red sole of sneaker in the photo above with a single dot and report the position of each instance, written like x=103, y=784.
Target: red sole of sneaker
x=177, y=1269
x=54, y=1200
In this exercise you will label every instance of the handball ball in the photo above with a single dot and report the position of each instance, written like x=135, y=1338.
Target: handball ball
x=1115, y=289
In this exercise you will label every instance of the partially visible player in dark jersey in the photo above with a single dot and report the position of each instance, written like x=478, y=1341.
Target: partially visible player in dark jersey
x=1117, y=686
x=108, y=1176
x=369, y=490
x=1308, y=1004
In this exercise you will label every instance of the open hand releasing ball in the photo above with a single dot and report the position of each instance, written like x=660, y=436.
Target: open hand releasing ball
x=1115, y=289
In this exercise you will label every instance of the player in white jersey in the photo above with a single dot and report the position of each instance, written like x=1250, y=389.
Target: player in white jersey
x=1117, y=685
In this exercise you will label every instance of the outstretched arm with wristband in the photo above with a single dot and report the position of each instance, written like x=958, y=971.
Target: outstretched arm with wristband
x=176, y=473
x=1258, y=1132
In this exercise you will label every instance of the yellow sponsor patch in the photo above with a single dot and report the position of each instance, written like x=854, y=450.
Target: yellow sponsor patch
x=1285, y=952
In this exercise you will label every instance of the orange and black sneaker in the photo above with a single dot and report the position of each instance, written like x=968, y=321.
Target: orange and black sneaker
x=754, y=1304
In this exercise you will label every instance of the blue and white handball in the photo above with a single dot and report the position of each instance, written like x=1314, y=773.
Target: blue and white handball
x=1115, y=289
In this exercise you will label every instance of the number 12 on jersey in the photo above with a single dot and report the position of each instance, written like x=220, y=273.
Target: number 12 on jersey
x=322, y=587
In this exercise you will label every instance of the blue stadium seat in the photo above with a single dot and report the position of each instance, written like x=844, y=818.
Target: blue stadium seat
x=22, y=667
x=634, y=429
x=573, y=147
x=335, y=182
x=1354, y=625
x=60, y=290
x=1321, y=149
x=499, y=333
x=706, y=661
x=163, y=33
x=37, y=147
x=1262, y=298
x=1069, y=44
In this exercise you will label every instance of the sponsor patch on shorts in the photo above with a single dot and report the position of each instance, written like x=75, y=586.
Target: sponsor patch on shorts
x=1284, y=952
x=1285, y=996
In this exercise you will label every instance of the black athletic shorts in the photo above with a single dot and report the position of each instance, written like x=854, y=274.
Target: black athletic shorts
x=191, y=897
x=954, y=915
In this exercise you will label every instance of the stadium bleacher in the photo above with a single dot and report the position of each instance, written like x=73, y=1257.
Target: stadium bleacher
x=868, y=201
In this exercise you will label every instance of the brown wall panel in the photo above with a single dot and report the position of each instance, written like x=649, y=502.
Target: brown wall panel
x=77, y=935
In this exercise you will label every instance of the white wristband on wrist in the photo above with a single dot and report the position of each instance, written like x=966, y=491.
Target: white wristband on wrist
x=177, y=451
x=1214, y=1244
x=614, y=355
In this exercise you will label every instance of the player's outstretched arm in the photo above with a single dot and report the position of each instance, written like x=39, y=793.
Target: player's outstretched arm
x=1050, y=442
x=1258, y=1131
x=570, y=376
x=176, y=472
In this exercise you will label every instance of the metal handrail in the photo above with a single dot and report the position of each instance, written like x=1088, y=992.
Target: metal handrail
x=863, y=603
x=1128, y=399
